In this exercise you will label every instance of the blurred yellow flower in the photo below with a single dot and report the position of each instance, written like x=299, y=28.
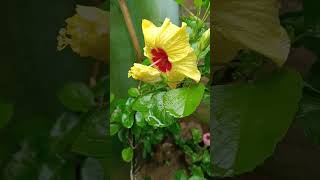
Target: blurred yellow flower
x=169, y=49
x=144, y=73
x=86, y=33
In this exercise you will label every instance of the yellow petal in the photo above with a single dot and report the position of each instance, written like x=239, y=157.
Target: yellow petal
x=150, y=32
x=144, y=73
x=174, y=78
x=188, y=66
x=172, y=39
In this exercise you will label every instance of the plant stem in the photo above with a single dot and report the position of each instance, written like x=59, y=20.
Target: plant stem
x=206, y=14
x=95, y=72
x=132, y=32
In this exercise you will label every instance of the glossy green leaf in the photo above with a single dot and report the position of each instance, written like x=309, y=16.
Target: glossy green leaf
x=249, y=115
x=114, y=128
x=76, y=97
x=127, y=120
x=133, y=92
x=127, y=154
x=6, y=113
x=252, y=24
x=140, y=119
x=157, y=115
x=182, y=102
x=142, y=104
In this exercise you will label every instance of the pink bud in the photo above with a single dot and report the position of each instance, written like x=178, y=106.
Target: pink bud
x=206, y=139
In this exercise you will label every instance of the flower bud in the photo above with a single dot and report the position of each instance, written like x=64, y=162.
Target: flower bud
x=204, y=41
x=144, y=73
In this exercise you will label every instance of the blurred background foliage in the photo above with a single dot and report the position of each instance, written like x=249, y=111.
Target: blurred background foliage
x=43, y=139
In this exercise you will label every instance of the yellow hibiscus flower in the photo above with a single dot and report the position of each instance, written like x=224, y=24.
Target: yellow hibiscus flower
x=171, y=54
x=86, y=33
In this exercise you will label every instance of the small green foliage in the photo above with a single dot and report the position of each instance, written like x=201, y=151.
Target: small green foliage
x=133, y=92
x=127, y=120
x=114, y=128
x=140, y=119
x=127, y=154
x=196, y=135
x=181, y=175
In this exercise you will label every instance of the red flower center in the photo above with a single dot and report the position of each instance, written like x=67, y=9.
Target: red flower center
x=160, y=59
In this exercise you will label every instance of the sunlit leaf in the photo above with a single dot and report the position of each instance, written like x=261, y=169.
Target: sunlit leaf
x=182, y=102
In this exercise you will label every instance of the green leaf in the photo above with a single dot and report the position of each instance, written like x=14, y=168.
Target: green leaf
x=114, y=128
x=183, y=102
x=140, y=119
x=157, y=115
x=197, y=171
x=94, y=140
x=197, y=3
x=142, y=104
x=6, y=113
x=76, y=97
x=245, y=24
x=249, y=115
x=127, y=120
x=196, y=135
x=133, y=92
x=116, y=115
x=181, y=2
x=206, y=157
x=127, y=154
x=181, y=175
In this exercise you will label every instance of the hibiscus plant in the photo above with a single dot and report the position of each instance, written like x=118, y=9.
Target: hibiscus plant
x=172, y=80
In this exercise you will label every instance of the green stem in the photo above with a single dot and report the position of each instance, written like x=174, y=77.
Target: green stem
x=206, y=14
